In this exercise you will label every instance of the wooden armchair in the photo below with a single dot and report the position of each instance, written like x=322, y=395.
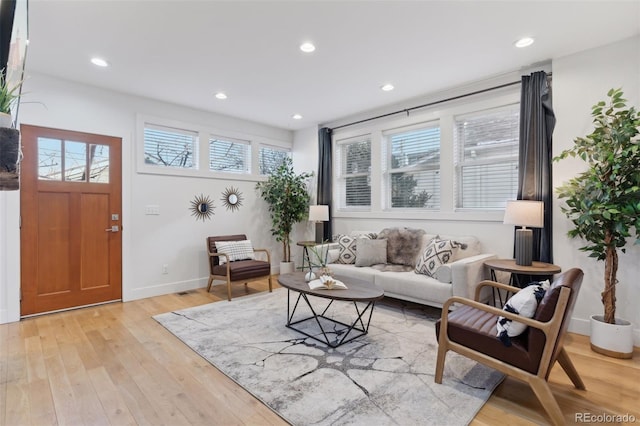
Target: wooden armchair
x=239, y=271
x=470, y=330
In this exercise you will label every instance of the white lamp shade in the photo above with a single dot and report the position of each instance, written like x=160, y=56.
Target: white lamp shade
x=319, y=213
x=524, y=213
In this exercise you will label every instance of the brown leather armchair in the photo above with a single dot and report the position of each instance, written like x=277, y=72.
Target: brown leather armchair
x=470, y=330
x=239, y=271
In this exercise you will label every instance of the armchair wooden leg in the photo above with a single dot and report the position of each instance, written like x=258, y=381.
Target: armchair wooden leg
x=442, y=354
x=270, y=285
x=229, y=290
x=567, y=366
x=545, y=396
x=210, y=282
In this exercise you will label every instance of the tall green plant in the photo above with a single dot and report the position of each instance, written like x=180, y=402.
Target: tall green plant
x=8, y=95
x=603, y=202
x=288, y=198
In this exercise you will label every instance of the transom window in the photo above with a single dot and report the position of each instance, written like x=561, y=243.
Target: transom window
x=271, y=157
x=486, y=152
x=229, y=155
x=170, y=147
x=413, y=165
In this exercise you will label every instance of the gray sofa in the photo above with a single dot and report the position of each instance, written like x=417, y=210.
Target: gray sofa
x=405, y=249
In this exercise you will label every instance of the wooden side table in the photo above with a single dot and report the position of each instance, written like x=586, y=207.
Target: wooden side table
x=520, y=273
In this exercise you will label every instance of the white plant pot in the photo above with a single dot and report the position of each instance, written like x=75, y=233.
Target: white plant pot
x=5, y=120
x=614, y=340
x=286, y=267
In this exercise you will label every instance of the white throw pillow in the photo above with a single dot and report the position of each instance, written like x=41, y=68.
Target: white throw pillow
x=371, y=252
x=235, y=250
x=523, y=303
x=438, y=252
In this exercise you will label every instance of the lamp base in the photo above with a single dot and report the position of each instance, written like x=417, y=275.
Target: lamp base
x=524, y=247
x=319, y=232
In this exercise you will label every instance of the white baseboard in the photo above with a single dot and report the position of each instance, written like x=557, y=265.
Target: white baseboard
x=162, y=289
x=4, y=317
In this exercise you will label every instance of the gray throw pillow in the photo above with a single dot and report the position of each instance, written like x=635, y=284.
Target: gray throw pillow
x=371, y=252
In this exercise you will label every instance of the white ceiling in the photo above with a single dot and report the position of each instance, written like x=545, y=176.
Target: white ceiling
x=185, y=51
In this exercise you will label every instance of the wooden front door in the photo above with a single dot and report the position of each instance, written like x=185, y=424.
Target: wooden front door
x=70, y=207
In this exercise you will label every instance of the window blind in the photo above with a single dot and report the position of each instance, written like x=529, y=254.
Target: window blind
x=169, y=147
x=413, y=180
x=486, y=151
x=229, y=155
x=270, y=158
x=355, y=166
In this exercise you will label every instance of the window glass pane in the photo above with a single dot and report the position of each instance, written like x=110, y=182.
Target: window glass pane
x=415, y=168
x=168, y=147
x=229, y=155
x=75, y=161
x=270, y=158
x=487, y=157
x=49, y=159
x=99, y=163
x=356, y=170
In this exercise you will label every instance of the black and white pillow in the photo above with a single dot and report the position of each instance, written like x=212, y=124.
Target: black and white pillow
x=438, y=252
x=523, y=303
x=347, y=247
x=235, y=250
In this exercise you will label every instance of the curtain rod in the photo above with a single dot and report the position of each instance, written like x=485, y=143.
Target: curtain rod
x=407, y=110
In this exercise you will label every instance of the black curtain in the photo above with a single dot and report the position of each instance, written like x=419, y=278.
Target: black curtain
x=7, y=12
x=324, y=177
x=534, y=174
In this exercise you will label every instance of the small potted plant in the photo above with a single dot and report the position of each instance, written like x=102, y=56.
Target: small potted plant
x=8, y=97
x=288, y=198
x=603, y=203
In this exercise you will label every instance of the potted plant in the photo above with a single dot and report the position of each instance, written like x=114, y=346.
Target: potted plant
x=603, y=203
x=8, y=97
x=288, y=198
x=9, y=137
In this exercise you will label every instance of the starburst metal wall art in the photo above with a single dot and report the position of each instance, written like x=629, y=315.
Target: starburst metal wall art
x=202, y=207
x=232, y=198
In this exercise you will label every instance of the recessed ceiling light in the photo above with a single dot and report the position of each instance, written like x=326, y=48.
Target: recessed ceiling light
x=296, y=117
x=221, y=95
x=387, y=87
x=99, y=62
x=307, y=47
x=524, y=42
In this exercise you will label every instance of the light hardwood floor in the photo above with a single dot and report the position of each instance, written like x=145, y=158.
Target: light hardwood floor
x=113, y=364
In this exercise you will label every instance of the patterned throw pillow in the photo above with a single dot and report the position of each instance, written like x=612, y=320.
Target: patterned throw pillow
x=523, y=303
x=347, y=246
x=437, y=253
x=235, y=250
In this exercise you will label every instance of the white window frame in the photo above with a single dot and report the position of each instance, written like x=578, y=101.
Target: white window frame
x=177, y=131
x=387, y=169
x=204, y=133
x=341, y=176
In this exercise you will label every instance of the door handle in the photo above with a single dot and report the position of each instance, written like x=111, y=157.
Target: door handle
x=114, y=228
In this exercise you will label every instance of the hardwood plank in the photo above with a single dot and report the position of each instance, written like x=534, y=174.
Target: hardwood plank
x=113, y=364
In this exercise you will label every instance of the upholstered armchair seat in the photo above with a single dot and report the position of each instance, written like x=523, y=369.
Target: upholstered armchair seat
x=243, y=269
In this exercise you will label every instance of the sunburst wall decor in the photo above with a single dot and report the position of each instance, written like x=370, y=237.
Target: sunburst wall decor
x=202, y=207
x=232, y=198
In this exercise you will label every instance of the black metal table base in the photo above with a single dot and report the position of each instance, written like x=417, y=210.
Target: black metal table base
x=352, y=330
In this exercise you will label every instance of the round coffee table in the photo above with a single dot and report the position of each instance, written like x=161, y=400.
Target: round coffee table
x=357, y=291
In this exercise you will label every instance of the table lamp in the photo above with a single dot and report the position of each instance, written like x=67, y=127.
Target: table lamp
x=524, y=213
x=319, y=215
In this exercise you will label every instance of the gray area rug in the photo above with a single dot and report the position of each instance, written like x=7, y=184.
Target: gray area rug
x=383, y=378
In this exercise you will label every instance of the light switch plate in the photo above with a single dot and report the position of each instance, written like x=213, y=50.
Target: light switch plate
x=152, y=209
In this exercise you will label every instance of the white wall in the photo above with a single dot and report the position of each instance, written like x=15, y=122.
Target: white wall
x=174, y=237
x=580, y=81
